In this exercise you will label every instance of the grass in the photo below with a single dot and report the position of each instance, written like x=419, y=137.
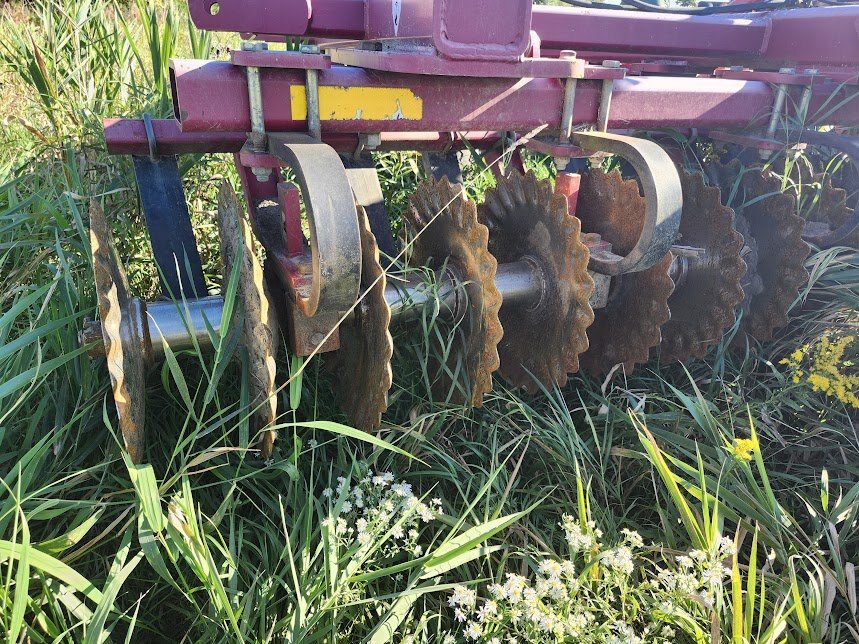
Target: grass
x=732, y=453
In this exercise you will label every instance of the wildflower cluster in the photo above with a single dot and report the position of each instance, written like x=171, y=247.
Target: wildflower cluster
x=378, y=510
x=599, y=593
x=699, y=575
x=826, y=368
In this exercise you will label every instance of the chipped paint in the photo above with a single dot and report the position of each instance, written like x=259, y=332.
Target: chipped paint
x=356, y=103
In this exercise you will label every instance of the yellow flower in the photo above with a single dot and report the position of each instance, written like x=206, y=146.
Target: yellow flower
x=743, y=448
x=827, y=370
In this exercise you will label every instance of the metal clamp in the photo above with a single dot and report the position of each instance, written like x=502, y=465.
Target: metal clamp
x=662, y=193
x=150, y=136
x=335, y=239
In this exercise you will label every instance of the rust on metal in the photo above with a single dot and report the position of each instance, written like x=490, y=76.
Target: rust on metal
x=527, y=221
x=126, y=358
x=259, y=333
x=772, y=222
x=362, y=366
x=449, y=232
x=628, y=327
x=703, y=304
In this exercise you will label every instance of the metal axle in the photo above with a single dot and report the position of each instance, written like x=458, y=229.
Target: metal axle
x=184, y=325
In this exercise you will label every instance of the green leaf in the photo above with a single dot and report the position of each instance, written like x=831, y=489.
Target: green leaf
x=22, y=583
x=143, y=480
x=447, y=556
x=53, y=567
x=119, y=573
x=357, y=434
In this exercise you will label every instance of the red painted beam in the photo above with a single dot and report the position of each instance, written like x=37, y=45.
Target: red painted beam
x=816, y=36
x=128, y=136
x=213, y=96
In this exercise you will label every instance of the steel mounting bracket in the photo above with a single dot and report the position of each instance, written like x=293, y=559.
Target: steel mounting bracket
x=663, y=196
x=335, y=239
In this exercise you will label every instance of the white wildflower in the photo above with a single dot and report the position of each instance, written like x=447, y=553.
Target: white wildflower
x=489, y=609
x=346, y=508
x=550, y=568
x=727, y=547
x=402, y=489
x=632, y=538
x=462, y=596
x=620, y=560
x=473, y=631
x=327, y=492
x=577, y=539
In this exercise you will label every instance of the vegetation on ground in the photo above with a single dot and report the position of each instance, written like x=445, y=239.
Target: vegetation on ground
x=713, y=501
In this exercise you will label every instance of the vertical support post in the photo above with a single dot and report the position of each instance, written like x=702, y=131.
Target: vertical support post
x=568, y=184
x=314, y=124
x=605, y=101
x=778, y=107
x=805, y=100
x=289, y=196
x=570, y=85
x=259, y=139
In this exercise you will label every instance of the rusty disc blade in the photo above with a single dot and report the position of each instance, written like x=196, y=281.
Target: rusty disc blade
x=777, y=232
x=362, y=365
x=448, y=234
x=704, y=302
x=628, y=327
x=259, y=334
x=528, y=222
x=126, y=358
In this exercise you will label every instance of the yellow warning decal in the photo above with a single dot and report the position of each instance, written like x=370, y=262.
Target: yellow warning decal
x=354, y=103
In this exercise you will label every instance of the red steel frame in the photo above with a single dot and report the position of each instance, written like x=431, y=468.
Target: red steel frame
x=819, y=36
x=212, y=111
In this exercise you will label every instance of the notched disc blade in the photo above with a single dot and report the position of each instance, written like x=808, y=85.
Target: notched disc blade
x=703, y=305
x=362, y=365
x=259, y=334
x=627, y=329
x=125, y=357
x=527, y=221
x=771, y=218
x=445, y=221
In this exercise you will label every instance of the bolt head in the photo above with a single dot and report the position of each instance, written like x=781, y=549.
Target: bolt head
x=810, y=72
x=568, y=54
x=309, y=49
x=561, y=163
x=612, y=64
x=254, y=45
x=787, y=70
x=737, y=68
x=316, y=339
x=262, y=174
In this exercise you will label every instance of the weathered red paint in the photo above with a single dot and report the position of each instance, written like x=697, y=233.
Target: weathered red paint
x=213, y=96
x=809, y=36
x=128, y=136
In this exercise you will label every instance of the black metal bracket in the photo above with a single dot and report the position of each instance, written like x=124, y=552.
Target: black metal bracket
x=168, y=222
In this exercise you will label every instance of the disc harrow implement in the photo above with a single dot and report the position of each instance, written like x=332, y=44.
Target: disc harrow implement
x=537, y=278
